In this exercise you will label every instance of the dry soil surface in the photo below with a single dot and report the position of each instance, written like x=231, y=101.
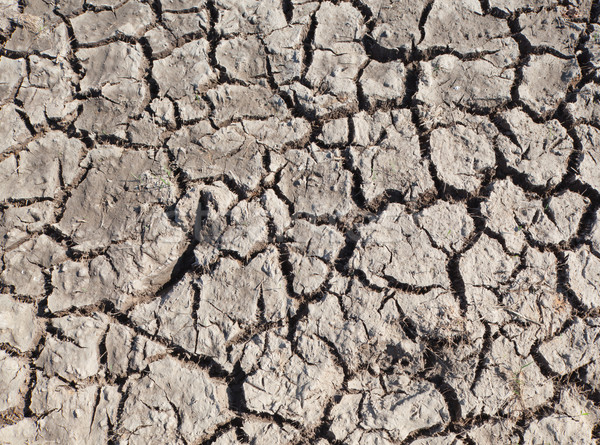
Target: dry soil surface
x=296, y=222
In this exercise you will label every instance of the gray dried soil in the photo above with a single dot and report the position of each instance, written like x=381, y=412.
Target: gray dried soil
x=298, y=222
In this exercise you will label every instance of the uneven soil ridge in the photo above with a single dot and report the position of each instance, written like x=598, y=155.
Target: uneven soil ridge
x=362, y=222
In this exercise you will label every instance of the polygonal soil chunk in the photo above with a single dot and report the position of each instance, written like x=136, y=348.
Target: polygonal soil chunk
x=128, y=189
x=12, y=73
x=10, y=11
x=506, y=209
x=393, y=164
x=303, y=11
x=338, y=25
x=228, y=304
x=589, y=168
x=77, y=284
x=277, y=212
x=550, y=29
x=235, y=151
x=170, y=317
x=458, y=362
x=482, y=304
x=396, y=22
x=143, y=131
x=539, y=151
x=14, y=376
x=349, y=337
x=204, y=209
x=383, y=343
x=36, y=172
x=131, y=20
x=510, y=383
x=433, y=314
x=13, y=131
x=180, y=400
x=463, y=153
x=312, y=249
x=393, y=412
x=577, y=346
x=77, y=356
x=25, y=264
x=243, y=58
x=334, y=73
x=146, y=263
x=286, y=52
x=371, y=129
x=334, y=132
x=187, y=25
x=486, y=264
x=230, y=297
x=561, y=218
x=127, y=352
x=116, y=195
x=249, y=16
x=501, y=430
x=16, y=223
x=383, y=83
x=236, y=102
x=327, y=105
x=448, y=225
x=573, y=423
x=278, y=134
x=592, y=49
x=546, y=79
x=106, y=63
x=592, y=375
x=18, y=325
x=163, y=112
x=584, y=276
x=204, y=153
x=69, y=416
x=47, y=93
x=295, y=384
x=448, y=85
x=160, y=40
x=394, y=248
x=109, y=114
x=463, y=28
x=532, y=301
x=243, y=229
x=186, y=71
x=337, y=59
x=316, y=182
x=41, y=32
x=344, y=419
x=586, y=107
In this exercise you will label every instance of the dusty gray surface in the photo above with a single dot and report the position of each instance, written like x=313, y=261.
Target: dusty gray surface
x=298, y=222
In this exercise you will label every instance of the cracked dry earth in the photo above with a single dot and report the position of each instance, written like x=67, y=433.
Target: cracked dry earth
x=293, y=222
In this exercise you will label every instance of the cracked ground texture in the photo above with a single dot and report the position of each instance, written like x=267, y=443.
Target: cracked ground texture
x=299, y=222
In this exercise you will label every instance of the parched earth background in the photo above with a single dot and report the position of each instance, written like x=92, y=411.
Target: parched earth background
x=292, y=222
